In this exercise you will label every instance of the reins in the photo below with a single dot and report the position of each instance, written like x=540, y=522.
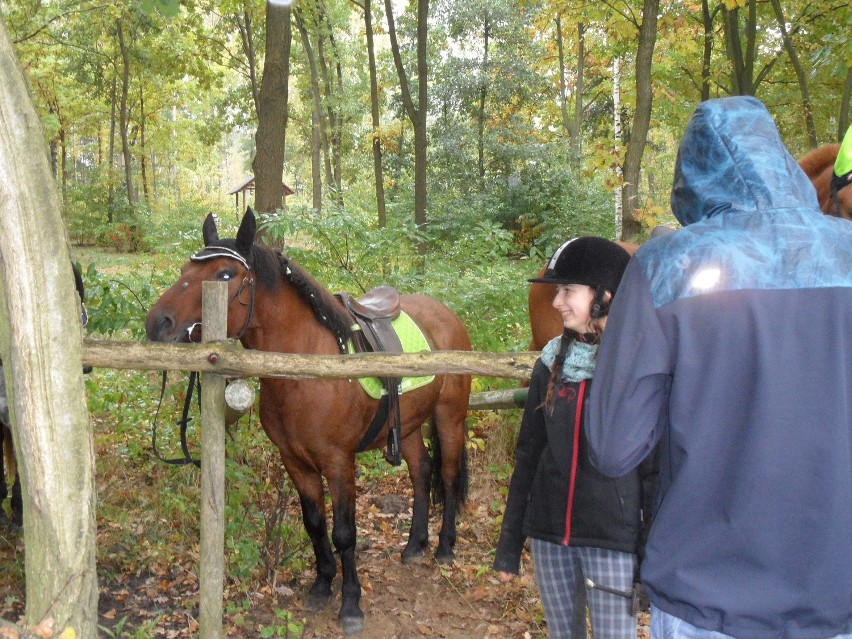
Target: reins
x=207, y=253
x=184, y=421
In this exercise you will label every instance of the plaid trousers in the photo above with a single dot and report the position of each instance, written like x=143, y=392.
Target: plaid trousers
x=559, y=571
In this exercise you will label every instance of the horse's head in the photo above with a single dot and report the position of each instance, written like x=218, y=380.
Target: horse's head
x=176, y=316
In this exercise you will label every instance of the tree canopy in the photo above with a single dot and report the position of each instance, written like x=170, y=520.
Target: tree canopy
x=148, y=105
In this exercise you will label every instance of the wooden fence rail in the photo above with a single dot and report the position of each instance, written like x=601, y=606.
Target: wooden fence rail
x=229, y=359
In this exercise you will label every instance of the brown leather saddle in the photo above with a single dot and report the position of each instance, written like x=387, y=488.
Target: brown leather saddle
x=373, y=314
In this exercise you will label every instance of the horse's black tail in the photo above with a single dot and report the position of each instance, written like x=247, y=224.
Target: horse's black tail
x=438, y=495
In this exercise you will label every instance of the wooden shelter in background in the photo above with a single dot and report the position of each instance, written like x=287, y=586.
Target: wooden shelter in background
x=248, y=185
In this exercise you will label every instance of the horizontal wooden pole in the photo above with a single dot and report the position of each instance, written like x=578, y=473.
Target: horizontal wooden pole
x=498, y=399
x=229, y=359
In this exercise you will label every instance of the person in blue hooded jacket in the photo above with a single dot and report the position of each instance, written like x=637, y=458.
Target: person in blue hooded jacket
x=730, y=342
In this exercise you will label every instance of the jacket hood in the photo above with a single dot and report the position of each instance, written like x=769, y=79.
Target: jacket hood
x=731, y=158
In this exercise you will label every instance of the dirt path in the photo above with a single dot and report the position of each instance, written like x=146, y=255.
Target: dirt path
x=461, y=601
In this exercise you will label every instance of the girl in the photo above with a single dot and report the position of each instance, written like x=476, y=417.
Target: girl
x=582, y=525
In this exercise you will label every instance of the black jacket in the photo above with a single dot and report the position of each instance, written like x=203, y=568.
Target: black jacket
x=555, y=494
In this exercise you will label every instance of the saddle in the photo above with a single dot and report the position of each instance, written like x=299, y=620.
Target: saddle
x=373, y=313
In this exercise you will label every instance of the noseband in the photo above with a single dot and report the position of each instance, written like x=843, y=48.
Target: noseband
x=216, y=252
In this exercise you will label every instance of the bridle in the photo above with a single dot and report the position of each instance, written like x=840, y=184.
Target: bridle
x=216, y=252
x=207, y=253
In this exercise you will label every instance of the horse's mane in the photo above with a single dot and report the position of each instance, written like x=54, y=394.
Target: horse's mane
x=817, y=160
x=271, y=266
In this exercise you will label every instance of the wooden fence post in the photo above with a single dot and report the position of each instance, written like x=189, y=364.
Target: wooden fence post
x=211, y=559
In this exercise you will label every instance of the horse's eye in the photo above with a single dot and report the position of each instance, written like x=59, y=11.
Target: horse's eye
x=224, y=275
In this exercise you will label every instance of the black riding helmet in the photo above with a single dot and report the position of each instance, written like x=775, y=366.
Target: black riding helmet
x=591, y=261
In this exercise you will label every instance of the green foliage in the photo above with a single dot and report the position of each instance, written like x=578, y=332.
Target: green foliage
x=285, y=626
x=117, y=304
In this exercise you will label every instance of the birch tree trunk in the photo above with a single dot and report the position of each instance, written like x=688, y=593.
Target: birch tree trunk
x=42, y=359
x=616, y=125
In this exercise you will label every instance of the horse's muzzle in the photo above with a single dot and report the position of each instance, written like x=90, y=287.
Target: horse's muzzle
x=160, y=326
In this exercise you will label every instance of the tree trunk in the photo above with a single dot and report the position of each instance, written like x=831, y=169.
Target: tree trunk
x=707, y=20
x=244, y=24
x=41, y=318
x=641, y=117
x=617, y=133
x=742, y=62
x=843, y=116
x=316, y=97
x=143, y=163
x=483, y=94
x=271, y=136
x=579, y=92
x=63, y=162
x=111, y=159
x=122, y=117
x=331, y=112
x=800, y=73
x=416, y=113
x=316, y=161
x=572, y=125
x=420, y=140
x=374, y=112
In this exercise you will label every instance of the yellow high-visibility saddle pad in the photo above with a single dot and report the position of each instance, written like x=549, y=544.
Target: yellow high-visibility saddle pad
x=413, y=341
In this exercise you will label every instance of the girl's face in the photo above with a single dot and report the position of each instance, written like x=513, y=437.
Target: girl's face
x=574, y=304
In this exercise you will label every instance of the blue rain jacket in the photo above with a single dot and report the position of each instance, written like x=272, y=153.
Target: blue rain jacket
x=730, y=341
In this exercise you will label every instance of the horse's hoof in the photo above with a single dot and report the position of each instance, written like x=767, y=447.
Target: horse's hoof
x=318, y=602
x=444, y=558
x=412, y=556
x=352, y=625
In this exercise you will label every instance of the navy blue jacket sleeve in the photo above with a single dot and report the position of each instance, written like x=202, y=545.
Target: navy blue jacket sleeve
x=627, y=406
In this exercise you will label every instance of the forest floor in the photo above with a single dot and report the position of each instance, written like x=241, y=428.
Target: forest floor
x=151, y=593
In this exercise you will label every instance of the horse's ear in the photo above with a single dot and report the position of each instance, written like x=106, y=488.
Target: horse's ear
x=208, y=231
x=245, y=236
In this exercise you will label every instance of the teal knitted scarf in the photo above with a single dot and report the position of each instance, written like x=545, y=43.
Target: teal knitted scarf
x=579, y=362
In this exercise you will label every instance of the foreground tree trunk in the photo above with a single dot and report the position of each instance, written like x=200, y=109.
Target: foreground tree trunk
x=641, y=117
x=268, y=164
x=40, y=313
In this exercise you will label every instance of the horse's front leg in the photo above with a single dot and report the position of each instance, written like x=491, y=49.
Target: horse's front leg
x=309, y=487
x=420, y=473
x=342, y=488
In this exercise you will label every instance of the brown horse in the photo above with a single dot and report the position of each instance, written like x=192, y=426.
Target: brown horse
x=317, y=424
x=818, y=165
